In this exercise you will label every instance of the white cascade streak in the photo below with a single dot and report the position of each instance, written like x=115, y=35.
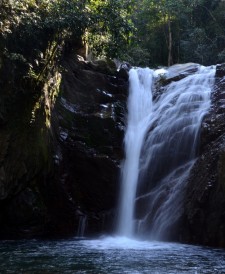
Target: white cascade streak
x=139, y=108
x=160, y=148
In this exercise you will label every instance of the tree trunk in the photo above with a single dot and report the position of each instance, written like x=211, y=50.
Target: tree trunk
x=170, y=58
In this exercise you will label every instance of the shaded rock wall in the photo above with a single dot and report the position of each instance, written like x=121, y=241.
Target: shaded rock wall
x=88, y=125
x=60, y=161
x=24, y=154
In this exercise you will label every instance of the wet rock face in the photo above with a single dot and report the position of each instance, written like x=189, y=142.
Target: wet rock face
x=88, y=125
x=53, y=178
x=204, y=219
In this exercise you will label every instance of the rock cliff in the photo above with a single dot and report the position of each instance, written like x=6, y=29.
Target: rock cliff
x=88, y=126
x=60, y=152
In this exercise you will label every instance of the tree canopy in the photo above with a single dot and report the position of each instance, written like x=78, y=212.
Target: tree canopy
x=180, y=31
x=143, y=32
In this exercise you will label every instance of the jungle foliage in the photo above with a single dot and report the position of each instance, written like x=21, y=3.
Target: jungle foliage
x=142, y=32
x=180, y=31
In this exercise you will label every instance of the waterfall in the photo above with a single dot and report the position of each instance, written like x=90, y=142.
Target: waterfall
x=139, y=108
x=81, y=226
x=161, y=144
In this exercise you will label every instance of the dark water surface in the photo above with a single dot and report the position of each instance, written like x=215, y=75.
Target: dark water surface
x=108, y=255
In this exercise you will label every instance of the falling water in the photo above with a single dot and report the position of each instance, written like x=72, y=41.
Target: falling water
x=139, y=107
x=160, y=146
x=81, y=226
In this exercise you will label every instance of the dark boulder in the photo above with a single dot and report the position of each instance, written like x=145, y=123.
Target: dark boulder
x=220, y=70
x=123, y=71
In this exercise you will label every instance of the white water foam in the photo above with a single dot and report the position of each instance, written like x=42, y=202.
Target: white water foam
x=106, y=243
